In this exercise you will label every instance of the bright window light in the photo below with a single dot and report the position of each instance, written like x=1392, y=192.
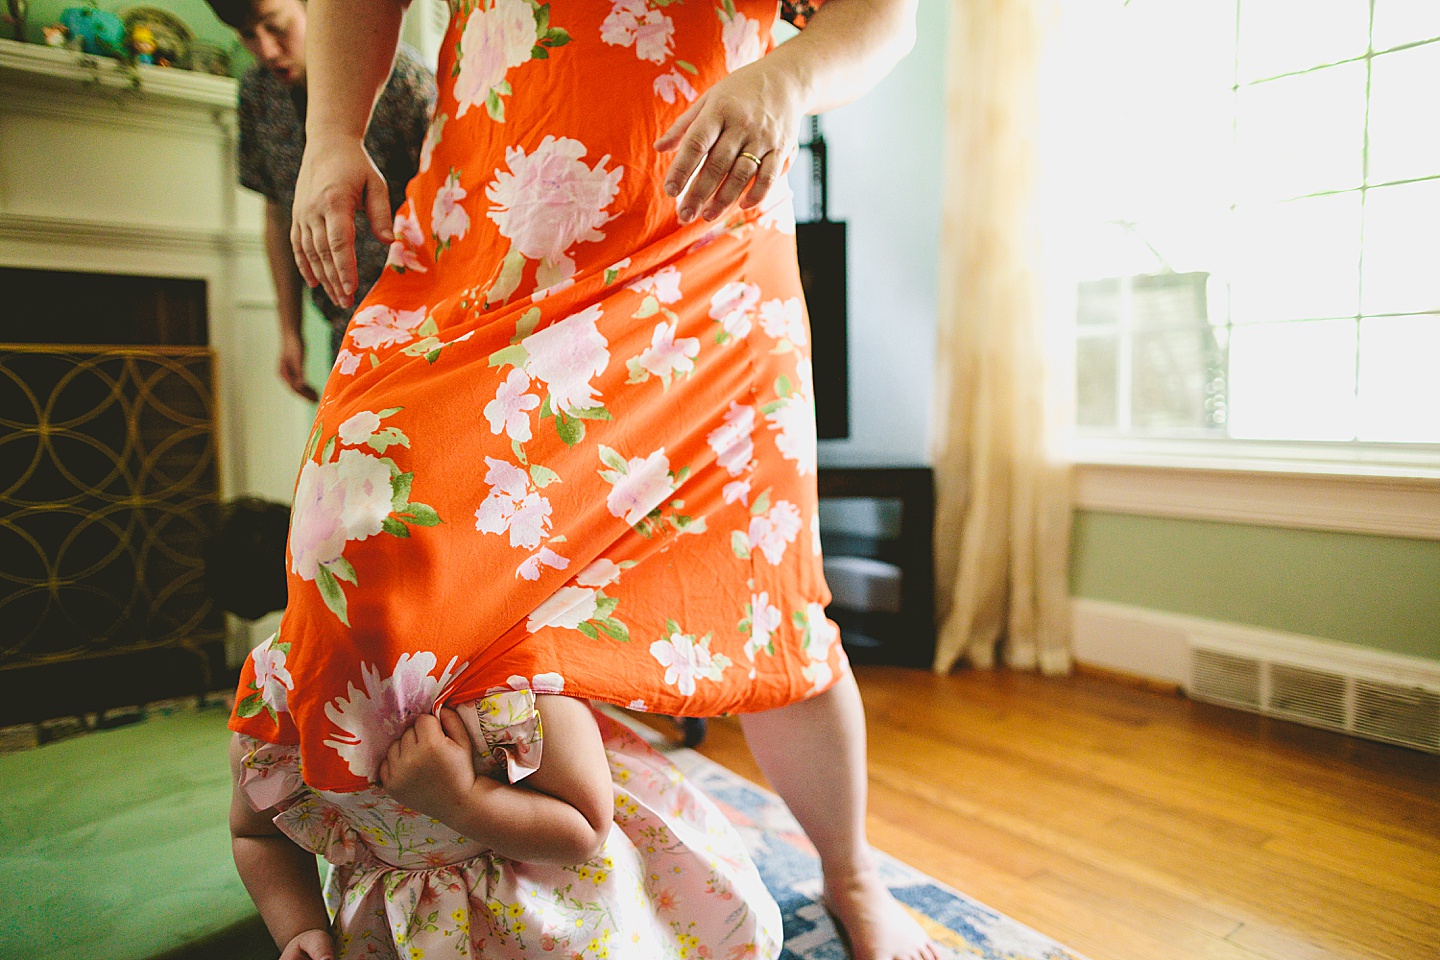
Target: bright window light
x=1251, y=190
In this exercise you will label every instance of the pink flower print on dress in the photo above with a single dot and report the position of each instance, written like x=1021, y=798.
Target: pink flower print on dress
x=763, y=620
x=371, y=719
x=511, y=506
x=819, y=637
x=567, y=608
x=408, y=239
x=448, y=220
x=600, y=573
x=643, y=487
x=346, y=362
x=272, y=680
x=663, y=285
x=632, y=23
x=565, y=356
x=741, y=37
x=732, y=305
x=433, y=134
x=685, y=660
x=347, y=499
x=669, y=85
x=379, y=326
x=666, y=355
x=359, y=428
x=530, y=569
x=771, y=532
x=794, y=417
x=736, y=490
x=495, y=39
x=549, y=200
x=509, y=411
x=784, y=320
x=731, y=441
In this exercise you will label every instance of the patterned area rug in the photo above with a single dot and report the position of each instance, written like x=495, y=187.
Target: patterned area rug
x=963, y=927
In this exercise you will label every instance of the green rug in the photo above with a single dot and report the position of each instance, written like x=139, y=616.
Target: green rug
x=115, y=846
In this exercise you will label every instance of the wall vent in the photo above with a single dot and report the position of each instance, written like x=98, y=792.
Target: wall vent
x=1226, y=679
x=1323, y=685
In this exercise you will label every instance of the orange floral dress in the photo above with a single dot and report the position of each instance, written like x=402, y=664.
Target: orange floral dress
x=569, y=443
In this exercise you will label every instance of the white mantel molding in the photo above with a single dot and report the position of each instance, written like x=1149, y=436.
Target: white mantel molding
x=54, y=67
x=100, y=233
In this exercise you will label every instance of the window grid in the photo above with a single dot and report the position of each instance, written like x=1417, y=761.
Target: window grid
x=1125, y=329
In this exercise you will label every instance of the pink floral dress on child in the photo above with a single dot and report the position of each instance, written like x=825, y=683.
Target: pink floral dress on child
x=672, y=882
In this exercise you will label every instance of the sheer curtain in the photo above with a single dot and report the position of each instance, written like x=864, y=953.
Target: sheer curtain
x=1003, y=514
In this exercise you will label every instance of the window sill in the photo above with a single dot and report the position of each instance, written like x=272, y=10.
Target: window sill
x=1375, y=491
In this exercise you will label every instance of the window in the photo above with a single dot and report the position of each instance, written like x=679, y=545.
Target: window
x=1260, y=224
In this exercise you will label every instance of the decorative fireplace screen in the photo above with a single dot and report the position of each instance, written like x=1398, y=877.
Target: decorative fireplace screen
x=108, y=489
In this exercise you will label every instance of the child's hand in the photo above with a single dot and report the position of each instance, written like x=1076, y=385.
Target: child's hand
x=429, y=767
x=310, y=945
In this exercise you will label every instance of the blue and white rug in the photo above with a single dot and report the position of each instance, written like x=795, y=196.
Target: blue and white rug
x=961, y=926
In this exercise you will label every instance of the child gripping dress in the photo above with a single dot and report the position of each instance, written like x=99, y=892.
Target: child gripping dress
x=516, y=826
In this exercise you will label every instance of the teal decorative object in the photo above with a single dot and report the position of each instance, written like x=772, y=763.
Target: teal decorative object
x=99, y=32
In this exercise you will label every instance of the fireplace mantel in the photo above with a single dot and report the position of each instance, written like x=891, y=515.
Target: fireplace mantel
x=55, y=68
x=98, y=178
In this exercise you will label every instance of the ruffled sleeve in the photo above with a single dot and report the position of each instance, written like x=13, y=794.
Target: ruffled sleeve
x=506, y=733
x=269, y=773
x=799, y=12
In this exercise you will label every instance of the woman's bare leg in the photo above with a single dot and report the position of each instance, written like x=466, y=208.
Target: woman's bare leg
x=813, y=753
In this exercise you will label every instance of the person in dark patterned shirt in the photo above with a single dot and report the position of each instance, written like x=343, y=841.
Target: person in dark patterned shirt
x=272, y=142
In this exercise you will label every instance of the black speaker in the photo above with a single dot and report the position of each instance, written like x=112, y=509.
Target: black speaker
x=820, y=244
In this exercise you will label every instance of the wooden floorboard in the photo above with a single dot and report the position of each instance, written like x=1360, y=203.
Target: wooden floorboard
x=1132, y=824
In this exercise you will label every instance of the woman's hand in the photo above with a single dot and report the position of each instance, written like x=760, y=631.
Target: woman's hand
x=337, y=177
x=429, y=767
x=310, y=945
x=756, y=110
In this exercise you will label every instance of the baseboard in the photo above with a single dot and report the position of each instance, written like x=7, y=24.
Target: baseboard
x=1339, y=686
x=1127, y=678
x=1155, y=645
x=1142, y=644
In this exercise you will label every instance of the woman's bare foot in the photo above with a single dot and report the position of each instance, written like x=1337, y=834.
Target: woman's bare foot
x=874, y=924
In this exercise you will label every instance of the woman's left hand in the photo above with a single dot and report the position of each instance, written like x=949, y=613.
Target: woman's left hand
x=757, y=111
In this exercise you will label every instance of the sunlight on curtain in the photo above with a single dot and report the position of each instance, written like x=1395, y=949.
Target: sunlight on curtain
x=1004, y=354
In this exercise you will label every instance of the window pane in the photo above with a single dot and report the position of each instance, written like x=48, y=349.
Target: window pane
x=1293, y=381
x=1297, y=260
x=1405, y=21
x=1096, y=365
x=1097, y=303
x=1280, y=36
x=1404, y=138
x=1179, y=380
x=1402, y=248
x=1399, y=381
x=1302, y=134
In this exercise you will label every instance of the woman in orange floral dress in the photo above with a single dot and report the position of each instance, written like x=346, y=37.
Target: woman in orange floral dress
x=569, y=444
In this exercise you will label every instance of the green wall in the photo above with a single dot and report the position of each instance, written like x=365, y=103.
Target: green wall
x=1377, y=592
x=196, y=14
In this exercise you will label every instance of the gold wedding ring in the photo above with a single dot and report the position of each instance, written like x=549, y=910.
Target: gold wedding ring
x=750, y=156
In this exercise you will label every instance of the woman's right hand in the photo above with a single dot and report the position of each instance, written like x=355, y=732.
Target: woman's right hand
x=337, y=177
x=310, y=945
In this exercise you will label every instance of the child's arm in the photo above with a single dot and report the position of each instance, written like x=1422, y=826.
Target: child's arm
x=560, y=814
x=280, y=876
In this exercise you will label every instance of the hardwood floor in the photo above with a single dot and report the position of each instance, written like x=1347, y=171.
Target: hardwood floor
x=1134, y=825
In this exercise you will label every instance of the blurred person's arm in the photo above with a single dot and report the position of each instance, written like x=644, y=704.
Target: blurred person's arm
x=289, y=297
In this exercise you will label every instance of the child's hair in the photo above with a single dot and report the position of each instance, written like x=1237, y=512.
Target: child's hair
x=239, y=14
x=245, y=558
